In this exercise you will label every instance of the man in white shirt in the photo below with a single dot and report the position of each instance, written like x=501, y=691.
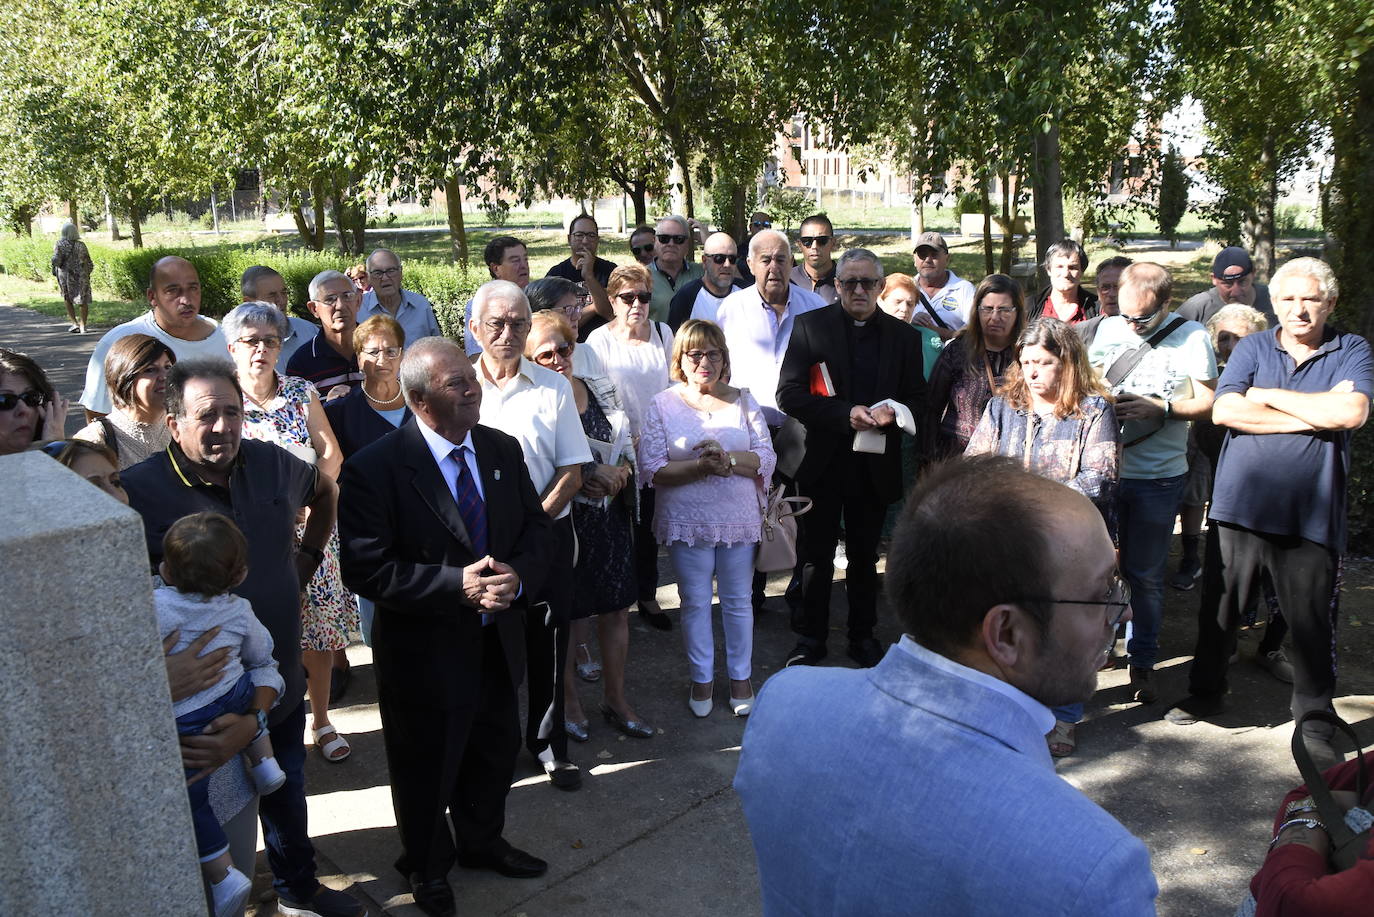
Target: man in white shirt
x=262, y=284
x=757, y=321
x=388, y=297
x=535, y=405
x=173, y=318
x=945, y=297
x=702, y=297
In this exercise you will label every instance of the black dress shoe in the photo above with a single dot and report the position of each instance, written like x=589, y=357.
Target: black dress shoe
x=804, y=654
x=512, y=863
x=655, y=617
x=563, y=774
x=433, y=896
x=867, y=652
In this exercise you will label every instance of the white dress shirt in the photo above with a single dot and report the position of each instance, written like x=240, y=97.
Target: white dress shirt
x=757, y=339
x=536, y=406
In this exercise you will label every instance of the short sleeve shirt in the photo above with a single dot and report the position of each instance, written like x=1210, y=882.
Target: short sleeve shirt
x=566, y=270
x=1164, y=373
x=266, y=488
x=1290, y=483
x=537, y=408
x=302, y=332
x=415, y=314
x=665, y=288
x=319, y=363
x=952, y=303
x=96, y=396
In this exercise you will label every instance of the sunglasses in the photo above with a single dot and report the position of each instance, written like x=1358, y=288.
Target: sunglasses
x=628, y=298
x=664, y=239
x=723, y=259
x=1142, y=321
x=868, y=284
x=808, y=241
x=545, y=358
x=638, y=250
x=761, y=224
x=9, y=400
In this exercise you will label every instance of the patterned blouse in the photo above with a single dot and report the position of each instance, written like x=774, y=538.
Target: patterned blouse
x=714, y=510
x=1082, y=452
x=957, y=396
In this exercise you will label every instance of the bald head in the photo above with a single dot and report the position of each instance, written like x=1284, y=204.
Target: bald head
x=718, y=263
x=174, y=297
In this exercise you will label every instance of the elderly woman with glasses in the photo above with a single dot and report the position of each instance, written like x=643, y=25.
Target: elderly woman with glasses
x=30, y=410
x=286, y=410
x=971, y=366
x=377, y=406
x=1055, y=417
x=707, y=450
x=636, y=354
x=136, y=373
x=603, y=518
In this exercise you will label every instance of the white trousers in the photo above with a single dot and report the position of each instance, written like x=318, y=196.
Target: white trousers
x=732, y=567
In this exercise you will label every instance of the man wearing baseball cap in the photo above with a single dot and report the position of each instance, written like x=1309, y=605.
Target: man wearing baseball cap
x=1233, y=281
x=945, y=298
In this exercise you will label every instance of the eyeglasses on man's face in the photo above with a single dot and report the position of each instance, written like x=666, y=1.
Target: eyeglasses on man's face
x=808, y=241
x=665, y=238
x=638, y=250
x=498, y=326
x=721, y=259
x=867, y=284
x=384, y=272
x=1114, y=603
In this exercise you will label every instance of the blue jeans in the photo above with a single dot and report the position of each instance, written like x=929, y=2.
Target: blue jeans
x=1069, y=713
x=210, y=838
x=367, y=610
x=290, y=854
x=1146, y=526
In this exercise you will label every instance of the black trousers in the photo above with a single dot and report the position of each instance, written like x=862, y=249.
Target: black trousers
x=458, y=760
x=546, y=649
x=646, y=547
x=853, y=502
x=1306, y=579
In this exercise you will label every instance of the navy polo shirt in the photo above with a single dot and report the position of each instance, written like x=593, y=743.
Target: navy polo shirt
x=1290, y=483
x=266, y=488
x=318, y=362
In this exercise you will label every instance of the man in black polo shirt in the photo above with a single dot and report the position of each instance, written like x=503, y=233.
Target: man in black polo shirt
x=584, y=268
x=328, y=359
x=1291, y=399
x=261, y=487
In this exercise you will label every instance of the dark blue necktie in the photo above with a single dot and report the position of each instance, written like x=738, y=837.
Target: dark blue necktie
x=470, y=505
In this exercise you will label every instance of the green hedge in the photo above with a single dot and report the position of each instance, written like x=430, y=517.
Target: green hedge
x=123, y=273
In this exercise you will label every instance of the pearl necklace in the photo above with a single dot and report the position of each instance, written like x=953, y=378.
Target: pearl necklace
x=368, y=395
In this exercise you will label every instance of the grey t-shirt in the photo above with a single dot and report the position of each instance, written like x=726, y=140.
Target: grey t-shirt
x=1202, y=306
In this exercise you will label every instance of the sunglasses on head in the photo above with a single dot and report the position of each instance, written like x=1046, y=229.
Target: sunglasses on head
x=638, y=250
x=1230, y=280
x=627, y=298
x=9, y=400
x=808, y=241
x=723, y=259
x=664, y=239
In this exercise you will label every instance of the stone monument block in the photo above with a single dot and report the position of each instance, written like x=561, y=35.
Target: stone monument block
x=94, y=817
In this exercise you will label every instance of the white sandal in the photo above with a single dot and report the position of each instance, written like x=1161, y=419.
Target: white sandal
x=329, y=748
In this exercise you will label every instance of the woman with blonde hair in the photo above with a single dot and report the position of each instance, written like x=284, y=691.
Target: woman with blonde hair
x=1055, y=417
x=707, y=451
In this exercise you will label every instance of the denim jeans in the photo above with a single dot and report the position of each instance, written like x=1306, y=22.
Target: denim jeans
x=1146, y=525
x=732, y=567
x=210, y=837
x=285, y=831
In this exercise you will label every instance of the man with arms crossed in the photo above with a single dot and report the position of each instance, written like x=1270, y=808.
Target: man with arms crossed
x=925, y=785
x=1291, y=398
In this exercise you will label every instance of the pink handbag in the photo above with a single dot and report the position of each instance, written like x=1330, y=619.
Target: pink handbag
x=778, y=533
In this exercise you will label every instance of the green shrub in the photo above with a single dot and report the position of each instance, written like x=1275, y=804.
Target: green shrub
x=123, y=273
x=968, y=202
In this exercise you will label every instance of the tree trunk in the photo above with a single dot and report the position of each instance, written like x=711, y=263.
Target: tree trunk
x=1350, y=208
x=639, y=199
x=458, y=234
x=738, y=226
x=1264, y=211
x=987, y=225
x=74, y=214
x=918, y=208
x=1047, y=188
x=303, y=227
x=110, y=219
x=135, y=222
x=1008, y=224
x=680, y=175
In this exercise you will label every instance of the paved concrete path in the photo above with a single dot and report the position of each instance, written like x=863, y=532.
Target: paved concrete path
x=657, y=828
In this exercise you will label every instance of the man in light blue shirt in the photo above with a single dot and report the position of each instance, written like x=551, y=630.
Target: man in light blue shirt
x=389, y=297
x=925, y=784
x=262, y=284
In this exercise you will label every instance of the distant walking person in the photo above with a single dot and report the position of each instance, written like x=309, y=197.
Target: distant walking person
x=71, y=265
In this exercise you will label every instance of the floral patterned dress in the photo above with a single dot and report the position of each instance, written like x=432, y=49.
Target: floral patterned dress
x=71, y=265
x=328, y=610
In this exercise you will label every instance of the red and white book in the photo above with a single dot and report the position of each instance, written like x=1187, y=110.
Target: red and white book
x=821, y=384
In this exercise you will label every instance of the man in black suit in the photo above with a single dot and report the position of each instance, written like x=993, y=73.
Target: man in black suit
x=442, y=528
x=845, y=366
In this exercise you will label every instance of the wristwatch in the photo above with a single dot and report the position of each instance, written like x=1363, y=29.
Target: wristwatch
x=1168, y=409
x=733, y=463
x=261, y=717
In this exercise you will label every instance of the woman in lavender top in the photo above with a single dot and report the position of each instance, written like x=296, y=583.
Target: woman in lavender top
x=1055, y=417
x=705, y=449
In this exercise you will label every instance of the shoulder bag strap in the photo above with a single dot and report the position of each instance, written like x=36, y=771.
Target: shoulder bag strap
x=1128, y=361
x=931, y=309
x=1346, y=845
x=110, y=439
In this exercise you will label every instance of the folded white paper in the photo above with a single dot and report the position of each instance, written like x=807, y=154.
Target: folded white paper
x=875, y=441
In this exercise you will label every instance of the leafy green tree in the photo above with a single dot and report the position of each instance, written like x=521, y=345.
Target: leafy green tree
x=1173, y=196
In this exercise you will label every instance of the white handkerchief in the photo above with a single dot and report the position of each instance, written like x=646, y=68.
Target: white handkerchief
x=875, y=441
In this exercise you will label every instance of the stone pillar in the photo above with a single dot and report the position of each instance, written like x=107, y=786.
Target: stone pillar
x=93, y=811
